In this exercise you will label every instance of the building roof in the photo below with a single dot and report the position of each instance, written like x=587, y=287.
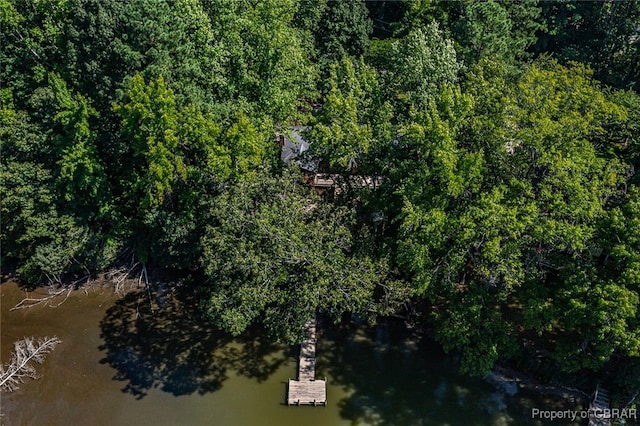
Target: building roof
x=295, y=145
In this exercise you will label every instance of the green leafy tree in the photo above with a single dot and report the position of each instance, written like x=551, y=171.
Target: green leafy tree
x=451, y=244
x=421, y=12
x=246, y=145
x=338, y=28
x=485, y=31
x=505, y=29
x=174, y=152
x=169, y=39
x=527, y=24
x=498, y=219
x=423, y=60
x=274, y=253
x=28, y=192
x=354, y=115
x=590, y=319
x=622, y=137
x=35, y=231
x=81, y=176
x=170, y=233
x=32, y=34
x=601, y=34
x=150, y=121
x=264, y=57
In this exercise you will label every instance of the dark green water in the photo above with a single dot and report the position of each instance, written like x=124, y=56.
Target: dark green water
x=119, y=364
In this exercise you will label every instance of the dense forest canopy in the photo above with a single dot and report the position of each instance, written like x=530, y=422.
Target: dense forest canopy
x=500, y=142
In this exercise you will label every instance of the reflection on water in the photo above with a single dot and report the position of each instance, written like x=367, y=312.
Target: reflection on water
x=120, y=363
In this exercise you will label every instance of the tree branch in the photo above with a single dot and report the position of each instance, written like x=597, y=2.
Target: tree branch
x=20, y=367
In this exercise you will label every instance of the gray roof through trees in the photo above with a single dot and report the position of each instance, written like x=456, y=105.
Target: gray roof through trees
x=295, y=145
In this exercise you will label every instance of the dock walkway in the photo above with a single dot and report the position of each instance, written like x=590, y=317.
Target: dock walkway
x=306, y=390
x=599, y=408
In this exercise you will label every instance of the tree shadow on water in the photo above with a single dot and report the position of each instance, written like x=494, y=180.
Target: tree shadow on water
x=398, y=379
x=175, y=350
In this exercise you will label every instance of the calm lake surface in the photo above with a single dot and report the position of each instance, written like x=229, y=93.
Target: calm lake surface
x=121, y=364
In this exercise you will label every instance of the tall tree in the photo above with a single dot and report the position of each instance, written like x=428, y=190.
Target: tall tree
x=150, y=121
x=354, y=116
x=264, y=58
x=485, y=30
x=81, y=177
x=422, y=61
x=339, y=28
x=500, y=220
x=175, y=147
x=275, y=253
x=32, y=41
x=506, y=29
x=601, y=34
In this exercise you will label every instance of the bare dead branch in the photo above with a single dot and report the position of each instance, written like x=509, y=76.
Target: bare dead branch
x=26, y=352
x=148, y=286
x=120, y=275
x=30, y=302
x=65, y=298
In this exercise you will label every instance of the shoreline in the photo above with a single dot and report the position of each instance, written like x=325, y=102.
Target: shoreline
x=503, y=377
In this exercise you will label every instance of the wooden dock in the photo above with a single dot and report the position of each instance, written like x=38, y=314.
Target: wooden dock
x=599, y=409
x=306, y=390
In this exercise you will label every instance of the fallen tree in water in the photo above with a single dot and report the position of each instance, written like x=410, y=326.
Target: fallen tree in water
x=30, y=302
x=26, y=352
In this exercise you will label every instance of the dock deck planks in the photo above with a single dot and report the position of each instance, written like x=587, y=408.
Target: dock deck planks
x=307, y=393
x=598, y=408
